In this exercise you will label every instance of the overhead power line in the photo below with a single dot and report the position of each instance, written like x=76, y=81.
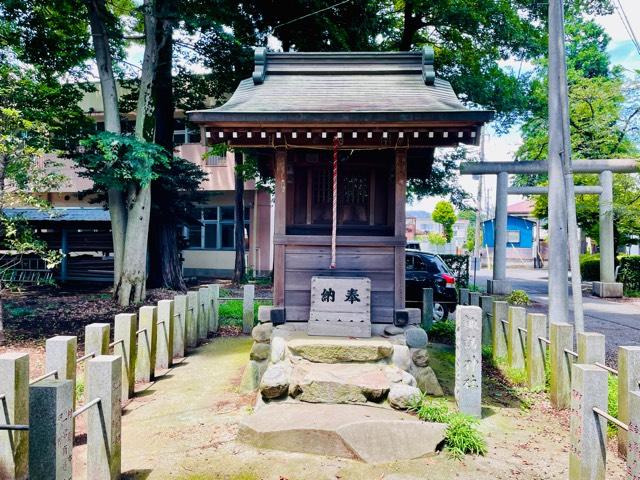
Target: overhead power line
x=617, y=5
x=311, y=14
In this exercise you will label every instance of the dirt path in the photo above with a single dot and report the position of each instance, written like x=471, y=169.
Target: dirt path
x=184, y=427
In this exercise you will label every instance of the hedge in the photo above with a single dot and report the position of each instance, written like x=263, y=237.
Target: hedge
x=629, y=273
x=459, y=265
x=590, y=267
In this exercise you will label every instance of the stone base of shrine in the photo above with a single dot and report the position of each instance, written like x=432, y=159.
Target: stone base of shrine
x=365, y=433
x=607, y=289
x=499, y=287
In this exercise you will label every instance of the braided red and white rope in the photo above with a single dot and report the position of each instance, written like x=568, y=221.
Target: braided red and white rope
x=334, y=225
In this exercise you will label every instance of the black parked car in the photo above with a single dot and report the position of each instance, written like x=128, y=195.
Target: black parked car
x=427, y=270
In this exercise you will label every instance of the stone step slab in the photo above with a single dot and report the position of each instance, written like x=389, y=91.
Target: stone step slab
x=369, y=434
x=340, y=350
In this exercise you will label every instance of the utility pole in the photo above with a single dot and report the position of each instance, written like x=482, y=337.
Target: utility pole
x=558, y=290
x=476, y=240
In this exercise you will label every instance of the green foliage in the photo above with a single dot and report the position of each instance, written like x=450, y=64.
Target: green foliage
x=118, y=161
x=612, y=404
x=459, y=266
x=79, y=389
x=444, y=214
x=517, y=376
x=629, y=273
x=230, y=312
x=461, y=436
x=590, y=267
x=443, y=331
x=437, y=239
x=518, y=297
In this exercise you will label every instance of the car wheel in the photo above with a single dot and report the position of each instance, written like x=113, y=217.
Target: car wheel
x=440, y=312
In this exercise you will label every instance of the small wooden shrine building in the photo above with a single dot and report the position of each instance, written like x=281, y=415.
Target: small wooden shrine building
x=382, y=115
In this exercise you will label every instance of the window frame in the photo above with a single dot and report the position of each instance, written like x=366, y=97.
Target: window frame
x=219, y=224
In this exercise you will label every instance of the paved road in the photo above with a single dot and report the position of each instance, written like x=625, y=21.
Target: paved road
x=619, y=320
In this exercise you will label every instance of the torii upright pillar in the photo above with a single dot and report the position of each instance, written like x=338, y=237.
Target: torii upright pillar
x=499, y=285
x=607, y=287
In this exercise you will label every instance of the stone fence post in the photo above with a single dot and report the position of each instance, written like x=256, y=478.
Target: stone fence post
x=561, y=337
x=633, y=436
x=536, y=349
x=468, y=362
x=500, y=310
x=205, y=312
x=486, y=303
x=214, y=291
x=180, y=306
x=60, y=355
x=124, y=338
x=247, y=308
x=14, y=410
x=588, y=450
x=51, y=429
x=165, y=319
x=192, y=319
x=427, y=308
x=464, y=296
x=96, y=338
x=628, y=378
x=104, y=419
x=591, y=348
x=474, y=299
x=515, y=345
x=147, y=344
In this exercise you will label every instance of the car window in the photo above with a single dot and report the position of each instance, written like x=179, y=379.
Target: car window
x=409, y=262
x=419, y=265
x=433, y=265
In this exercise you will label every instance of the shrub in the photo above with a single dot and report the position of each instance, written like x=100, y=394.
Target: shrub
x=461, y=436
x=230, y=313
x=629, y=273
x=518, y=297
x=459, y=266
x=590, y=267
x=443, y=331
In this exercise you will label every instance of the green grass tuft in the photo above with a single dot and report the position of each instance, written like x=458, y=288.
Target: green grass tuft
x=461, y=436
x=612, y=404
x=443, y=331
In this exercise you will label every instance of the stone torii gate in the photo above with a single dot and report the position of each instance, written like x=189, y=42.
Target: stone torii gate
x=500, y=285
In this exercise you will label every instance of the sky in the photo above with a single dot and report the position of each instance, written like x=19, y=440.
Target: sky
x=502, y=148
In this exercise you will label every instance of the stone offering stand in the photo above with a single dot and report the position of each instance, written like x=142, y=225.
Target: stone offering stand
x=37, y=426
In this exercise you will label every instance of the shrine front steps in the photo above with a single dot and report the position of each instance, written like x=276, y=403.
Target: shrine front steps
x=339, y=349
x=370, y=434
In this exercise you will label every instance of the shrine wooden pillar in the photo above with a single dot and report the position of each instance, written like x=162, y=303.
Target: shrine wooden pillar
x=280, y=226
x=400, y=225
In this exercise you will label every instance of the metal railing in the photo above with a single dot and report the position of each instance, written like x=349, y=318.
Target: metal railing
x=86, y=407
x=45, y=376
x=613, y=420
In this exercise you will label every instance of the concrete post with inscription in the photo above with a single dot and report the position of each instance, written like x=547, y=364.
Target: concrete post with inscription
x=14, y=410
x=147, y=344
x=427, y=308
x=192, y=319
x=96, y=338
x=164, y=356
x=536, y=349
x=561, y=337
x=516, y=338
x=51, y=429
x=104, y=381
x=588, y=449
x=205, y=312
x=633, y=436
x=468, y=363
x=628, y=378
x=124, y=337
x=61, y=353
x=486, y=304
x=180, y=305
x=500, y=313
x=463, y=296
x=214, y=292
x=248, y=295
x=591, y=348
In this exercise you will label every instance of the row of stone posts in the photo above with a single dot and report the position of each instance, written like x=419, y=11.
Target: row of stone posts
x=37, y=428
x=577, y=381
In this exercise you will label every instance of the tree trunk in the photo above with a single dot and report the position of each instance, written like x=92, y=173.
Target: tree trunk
x=3, y=170
x=409, y=28
x=165, y=267
x=239, y=271
x=132, y=286
x=97, y=19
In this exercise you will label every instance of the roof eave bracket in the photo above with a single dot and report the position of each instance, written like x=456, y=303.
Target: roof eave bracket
x=260, y=70
x=428, y=72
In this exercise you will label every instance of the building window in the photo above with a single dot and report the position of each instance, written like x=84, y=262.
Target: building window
x=216, y=161
x=185, y=133
x=513, y=236
x=217, y=231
